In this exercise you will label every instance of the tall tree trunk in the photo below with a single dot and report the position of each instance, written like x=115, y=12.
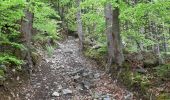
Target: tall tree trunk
x=157, y=45
x=79, y=25
x=165, y=44
x=118, y=53
x=164, y=39
x=109, y=18
x=26, y=30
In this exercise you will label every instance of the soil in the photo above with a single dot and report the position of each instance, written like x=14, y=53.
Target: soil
x=68, y=75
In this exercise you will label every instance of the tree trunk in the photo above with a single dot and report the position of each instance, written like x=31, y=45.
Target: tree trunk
x=157, y=45
x=165, y=44
x=26, y=30
x=109, y=18
x=118, y=53
x=79, y=25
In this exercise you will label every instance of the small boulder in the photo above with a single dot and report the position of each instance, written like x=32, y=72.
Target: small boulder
x=97, y=75
x=60, y=87
x=56, y=94
x=150, y=59
x=67, y=91
x=36, y=58
x=107, y=98
x=150, y=62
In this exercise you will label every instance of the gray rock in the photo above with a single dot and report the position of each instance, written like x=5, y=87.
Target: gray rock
x=3, y=67
x=128, y=97
x=97, y=95
x=67, y=91
x=96, y=47
x=55, y=83
x=60, y=87
x=87, y=84
x=80, y=87
x=28, y=95
x=18, y=78
x=2, y=79
x=80, y=71
x=107, y=98
x=97, y=75
x=53, y=61
x=13, y=70
x=85, y=74
x=76, y=77
x=141, y=70
x=47, y=87
x=89, y=75
x=47, y=60
x=38, y=84
x=56, y=94
x=70, y=37
x=68, y=52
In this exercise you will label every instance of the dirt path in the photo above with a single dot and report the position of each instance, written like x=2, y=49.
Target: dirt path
x=68, y=75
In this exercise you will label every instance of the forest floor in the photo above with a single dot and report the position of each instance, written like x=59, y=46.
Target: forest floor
x=68, y=75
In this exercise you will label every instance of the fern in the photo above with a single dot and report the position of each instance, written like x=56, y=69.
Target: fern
x=9, y=59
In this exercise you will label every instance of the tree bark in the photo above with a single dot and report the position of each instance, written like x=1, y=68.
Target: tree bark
x=79, y=25
x=109, y=18
x=157, y=45
x=118, y=52
x=26, y=30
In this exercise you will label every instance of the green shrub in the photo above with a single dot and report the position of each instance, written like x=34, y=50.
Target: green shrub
x=92, y=53
x=140, y=79
x=96, y=53
x=45, y=21
x=163, y=71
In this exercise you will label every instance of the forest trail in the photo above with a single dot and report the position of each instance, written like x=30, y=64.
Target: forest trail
x=68, y=75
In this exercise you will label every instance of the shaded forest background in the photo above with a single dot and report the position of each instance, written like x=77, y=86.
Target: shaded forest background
x=129, y=38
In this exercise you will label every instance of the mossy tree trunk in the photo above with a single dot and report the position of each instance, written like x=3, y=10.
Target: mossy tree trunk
x=118, y=52
x=110, y=46
x=26, y=30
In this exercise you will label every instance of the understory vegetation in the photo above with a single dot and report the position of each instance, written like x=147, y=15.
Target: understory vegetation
x=17, y=29
x=129, y=38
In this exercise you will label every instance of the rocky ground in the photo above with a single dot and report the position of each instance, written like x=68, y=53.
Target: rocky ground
x=68, y=75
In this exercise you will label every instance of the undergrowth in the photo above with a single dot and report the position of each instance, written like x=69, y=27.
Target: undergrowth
x=50, y=50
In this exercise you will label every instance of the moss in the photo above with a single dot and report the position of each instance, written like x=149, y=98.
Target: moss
x=125, y=75
x=133, y=81
x=163, y=71
x=2, y=73
x=36, y=58
x=92, y=53
x=164, y=96
x=141, y=80
x=2, y=77
x=127, y=66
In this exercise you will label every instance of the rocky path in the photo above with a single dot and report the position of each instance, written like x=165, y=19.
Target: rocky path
x=68, y=75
